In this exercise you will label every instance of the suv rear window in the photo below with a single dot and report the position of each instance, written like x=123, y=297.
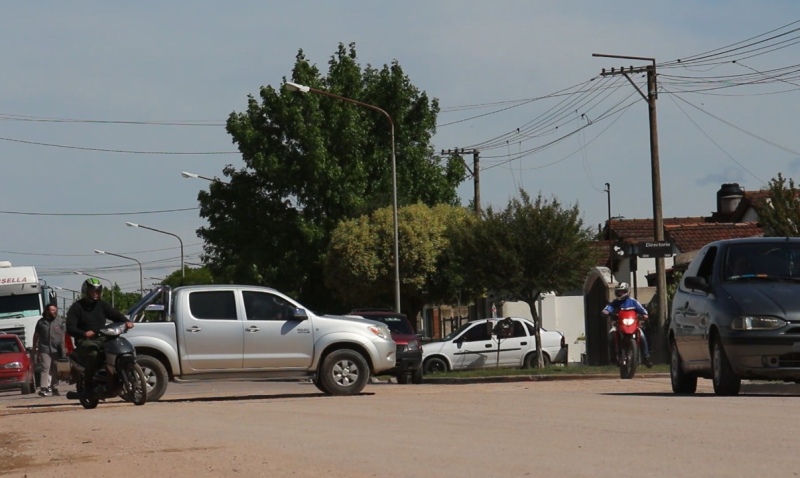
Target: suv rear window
x=396, y=323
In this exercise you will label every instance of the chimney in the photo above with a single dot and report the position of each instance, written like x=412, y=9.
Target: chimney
x=728, y=198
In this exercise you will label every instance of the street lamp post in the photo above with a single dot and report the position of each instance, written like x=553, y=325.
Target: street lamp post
x=74, y=293
x=133, y=224
x=187, y=174
x=111, y=285
x=307, y=89
x=141, y=274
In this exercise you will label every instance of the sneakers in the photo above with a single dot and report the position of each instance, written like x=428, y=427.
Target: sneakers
x=55, y=391
x=647, y=362
x=45, y=392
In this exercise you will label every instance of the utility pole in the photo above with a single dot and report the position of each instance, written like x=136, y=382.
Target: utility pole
x=659, y=341
x=475, y=172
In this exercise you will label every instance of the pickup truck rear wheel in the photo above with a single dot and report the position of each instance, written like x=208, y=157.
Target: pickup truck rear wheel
x=344, y=372
x=155, y=375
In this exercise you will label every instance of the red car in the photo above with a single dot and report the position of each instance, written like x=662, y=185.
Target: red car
x=16, y=369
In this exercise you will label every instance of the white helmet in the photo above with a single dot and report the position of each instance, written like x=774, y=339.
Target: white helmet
x=622, y=291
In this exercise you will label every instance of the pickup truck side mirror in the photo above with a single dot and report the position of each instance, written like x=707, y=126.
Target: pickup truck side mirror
x=696, y=283
x=299, y=314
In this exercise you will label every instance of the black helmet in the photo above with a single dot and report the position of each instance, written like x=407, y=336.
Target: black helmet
x=91, y=284
x=622, y=291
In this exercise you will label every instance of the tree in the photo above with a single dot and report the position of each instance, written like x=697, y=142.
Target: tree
x=193, y=276
x=359, y=264
x=780, y=214
x=311, y=161
x=530, y=248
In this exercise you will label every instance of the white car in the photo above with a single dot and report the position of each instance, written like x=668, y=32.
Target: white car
x=477, y=345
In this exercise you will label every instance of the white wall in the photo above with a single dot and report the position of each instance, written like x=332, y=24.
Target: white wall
x=564, y=314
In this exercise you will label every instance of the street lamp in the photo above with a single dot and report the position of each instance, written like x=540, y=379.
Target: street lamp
x=187, y=174
x=607, y=190
x=81, y=273
x=141, y=275
x=133, y=224
x=70, y=290
x=307, y=89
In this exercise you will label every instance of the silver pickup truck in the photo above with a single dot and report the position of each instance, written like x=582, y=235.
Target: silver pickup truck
x=204, y=332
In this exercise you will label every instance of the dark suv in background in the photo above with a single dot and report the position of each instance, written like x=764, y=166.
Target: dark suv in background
x=408, y=366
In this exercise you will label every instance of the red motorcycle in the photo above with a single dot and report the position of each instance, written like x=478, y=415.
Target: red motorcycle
x=627, y=341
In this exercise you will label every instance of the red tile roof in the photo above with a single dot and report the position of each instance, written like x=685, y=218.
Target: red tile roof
x=691, y=237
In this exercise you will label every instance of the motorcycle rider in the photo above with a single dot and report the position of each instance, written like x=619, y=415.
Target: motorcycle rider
x=624, y=301
x=84, y=318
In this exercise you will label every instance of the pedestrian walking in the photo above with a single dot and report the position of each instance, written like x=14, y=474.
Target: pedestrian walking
x=48, y=348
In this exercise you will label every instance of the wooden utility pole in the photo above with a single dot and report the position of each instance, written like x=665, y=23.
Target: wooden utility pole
x=475, y=172
x=659, y=340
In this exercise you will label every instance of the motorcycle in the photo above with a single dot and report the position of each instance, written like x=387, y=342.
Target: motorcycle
x=121, y=376
x=627, y=339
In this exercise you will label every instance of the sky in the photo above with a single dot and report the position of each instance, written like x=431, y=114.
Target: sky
x=68, y=187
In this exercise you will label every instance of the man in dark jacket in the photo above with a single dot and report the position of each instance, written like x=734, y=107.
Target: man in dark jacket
x=84, y=318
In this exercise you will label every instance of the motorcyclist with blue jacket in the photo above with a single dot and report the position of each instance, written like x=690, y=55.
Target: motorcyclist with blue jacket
x=624, y=301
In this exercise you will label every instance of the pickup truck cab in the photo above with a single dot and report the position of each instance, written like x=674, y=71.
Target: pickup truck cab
x=203, y=332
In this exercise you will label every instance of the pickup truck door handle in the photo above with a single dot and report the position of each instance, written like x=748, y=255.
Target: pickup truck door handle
x=252, y=328
x=488, y=346
x=524, y=343
x=194, y=329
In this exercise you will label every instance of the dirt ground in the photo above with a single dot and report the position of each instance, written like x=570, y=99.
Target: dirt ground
x=570, y=428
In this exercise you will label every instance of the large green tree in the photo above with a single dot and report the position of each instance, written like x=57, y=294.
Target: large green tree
x=529, y=248
x=779, y=215
x=311, y=161
x=360, y=258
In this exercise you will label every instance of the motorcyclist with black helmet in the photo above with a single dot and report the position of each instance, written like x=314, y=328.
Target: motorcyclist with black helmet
x=624, y=301
x=84, y=318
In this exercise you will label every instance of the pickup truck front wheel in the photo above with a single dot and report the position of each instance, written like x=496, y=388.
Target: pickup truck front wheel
x=155, y=375
x=344, y=372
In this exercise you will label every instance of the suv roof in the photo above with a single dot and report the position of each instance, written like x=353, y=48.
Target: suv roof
x=398, y=323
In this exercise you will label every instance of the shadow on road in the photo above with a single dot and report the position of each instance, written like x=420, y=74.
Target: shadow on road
x=238, y=398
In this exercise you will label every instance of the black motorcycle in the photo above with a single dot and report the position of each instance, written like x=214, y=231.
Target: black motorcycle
x=120, y=377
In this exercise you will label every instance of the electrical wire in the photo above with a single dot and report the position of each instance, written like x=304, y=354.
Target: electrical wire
x=760, y=138
x=20, y=213
x=672, y=97
x=44, y=119
x=124, y=151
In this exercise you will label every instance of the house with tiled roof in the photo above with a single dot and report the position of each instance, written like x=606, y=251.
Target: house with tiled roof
x=736, y=216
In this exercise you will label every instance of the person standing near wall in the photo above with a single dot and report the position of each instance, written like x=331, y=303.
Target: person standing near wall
x=48, y=348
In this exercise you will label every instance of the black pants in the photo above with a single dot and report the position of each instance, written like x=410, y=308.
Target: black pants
x=90, y=351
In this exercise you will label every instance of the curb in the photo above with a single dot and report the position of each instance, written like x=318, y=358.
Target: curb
x=533, y=378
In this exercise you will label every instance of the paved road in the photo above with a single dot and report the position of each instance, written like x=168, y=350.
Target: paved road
x=591, y=428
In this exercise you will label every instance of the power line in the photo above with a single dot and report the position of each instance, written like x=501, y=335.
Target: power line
x=124, y=151
x=44, y=119
x=771, y=143
x=21, y=213
x=672, y=97
x=95, y=255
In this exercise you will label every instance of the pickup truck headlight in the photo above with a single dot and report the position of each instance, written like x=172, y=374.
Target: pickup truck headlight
x=381, y=331
x=13, y=365
x=757, y=323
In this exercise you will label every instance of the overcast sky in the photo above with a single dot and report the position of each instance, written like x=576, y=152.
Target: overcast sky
x=196, y=62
